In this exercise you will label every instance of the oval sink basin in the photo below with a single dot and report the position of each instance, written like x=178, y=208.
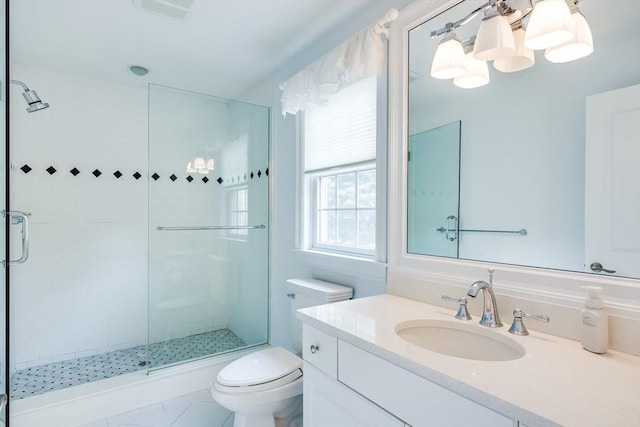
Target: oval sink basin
x=460, y=340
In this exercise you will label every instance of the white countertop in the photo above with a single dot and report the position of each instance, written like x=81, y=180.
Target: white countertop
x=557, y=381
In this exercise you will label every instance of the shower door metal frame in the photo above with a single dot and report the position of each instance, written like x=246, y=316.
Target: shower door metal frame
x=7, y=224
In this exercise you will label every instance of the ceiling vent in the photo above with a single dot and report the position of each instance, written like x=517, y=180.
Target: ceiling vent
x=177, y=9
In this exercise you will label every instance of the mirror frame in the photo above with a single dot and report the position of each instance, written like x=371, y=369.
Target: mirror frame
x=622, y=295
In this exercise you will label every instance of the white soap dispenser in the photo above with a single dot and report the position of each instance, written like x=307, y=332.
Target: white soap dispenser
x=595, y=322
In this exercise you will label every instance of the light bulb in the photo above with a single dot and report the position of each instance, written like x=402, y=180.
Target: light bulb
x=550, y=25
x=578, y=47
x=449, y=60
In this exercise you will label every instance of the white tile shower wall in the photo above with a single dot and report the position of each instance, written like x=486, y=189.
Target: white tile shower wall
x=83, y=289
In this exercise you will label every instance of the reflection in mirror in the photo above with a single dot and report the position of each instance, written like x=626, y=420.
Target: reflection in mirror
x=551, y=149
x=433, y=184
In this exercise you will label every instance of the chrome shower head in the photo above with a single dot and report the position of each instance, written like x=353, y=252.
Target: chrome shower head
x=32, y=98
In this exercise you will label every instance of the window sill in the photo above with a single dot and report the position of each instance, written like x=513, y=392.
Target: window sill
x=361, y=267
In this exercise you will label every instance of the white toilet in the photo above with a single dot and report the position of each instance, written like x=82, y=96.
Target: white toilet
x=264, y=388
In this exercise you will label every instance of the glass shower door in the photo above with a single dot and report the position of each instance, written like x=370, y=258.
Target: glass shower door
x=208, y=225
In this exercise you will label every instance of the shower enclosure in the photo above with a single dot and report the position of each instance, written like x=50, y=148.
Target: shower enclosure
x=148, y=215
x=208, y=212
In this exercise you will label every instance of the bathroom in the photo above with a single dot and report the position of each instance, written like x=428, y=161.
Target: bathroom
x=121, y=283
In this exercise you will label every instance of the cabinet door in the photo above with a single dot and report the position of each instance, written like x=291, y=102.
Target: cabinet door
x=329, y=403
x=416, y=400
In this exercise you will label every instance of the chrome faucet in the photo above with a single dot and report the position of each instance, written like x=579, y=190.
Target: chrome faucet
x=490, y=316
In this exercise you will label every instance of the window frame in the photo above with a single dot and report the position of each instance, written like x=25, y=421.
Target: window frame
x=313, y=180
x=233, y=211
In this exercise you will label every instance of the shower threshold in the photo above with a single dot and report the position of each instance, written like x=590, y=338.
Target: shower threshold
x=68, y=373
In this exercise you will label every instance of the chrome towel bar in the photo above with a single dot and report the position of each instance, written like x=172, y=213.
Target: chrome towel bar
x=212, y=227
x=522, y=232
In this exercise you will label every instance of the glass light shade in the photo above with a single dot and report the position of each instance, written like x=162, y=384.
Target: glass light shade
x=477, y=74
x=203, y=171
x=210, y=165
x=198, y=163
x=494, y=39
x=578, y=47
x=449, y=60
x=550, y=25
x=523, y=58
x=190, y=168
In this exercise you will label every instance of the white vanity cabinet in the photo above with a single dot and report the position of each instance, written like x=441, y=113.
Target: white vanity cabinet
x=368, y=391
x=327, y=403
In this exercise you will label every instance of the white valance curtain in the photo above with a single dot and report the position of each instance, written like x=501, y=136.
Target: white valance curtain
x=357, y=57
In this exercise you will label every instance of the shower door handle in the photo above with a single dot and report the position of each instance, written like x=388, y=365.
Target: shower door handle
x=17, y=217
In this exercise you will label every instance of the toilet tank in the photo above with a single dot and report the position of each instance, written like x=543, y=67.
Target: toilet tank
x=307, y=293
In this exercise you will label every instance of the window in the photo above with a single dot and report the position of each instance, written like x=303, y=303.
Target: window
x=238, y=211
x=340, y=141
x=345, y=210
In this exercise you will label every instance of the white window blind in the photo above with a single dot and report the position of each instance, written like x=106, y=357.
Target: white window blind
x=342, y=132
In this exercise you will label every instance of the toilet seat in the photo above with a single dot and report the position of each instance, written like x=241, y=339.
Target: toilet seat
x=263, y=370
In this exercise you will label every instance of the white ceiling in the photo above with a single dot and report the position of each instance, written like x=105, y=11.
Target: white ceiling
x=221, y=47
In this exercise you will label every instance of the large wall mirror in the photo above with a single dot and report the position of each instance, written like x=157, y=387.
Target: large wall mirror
x=549, y=156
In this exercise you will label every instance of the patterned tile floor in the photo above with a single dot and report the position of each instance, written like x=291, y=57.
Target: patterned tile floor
x=55, y=376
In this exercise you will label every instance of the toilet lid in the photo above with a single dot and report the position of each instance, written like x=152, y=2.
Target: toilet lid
x=264, y=366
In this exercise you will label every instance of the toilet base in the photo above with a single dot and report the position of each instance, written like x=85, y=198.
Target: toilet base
x=288, y=416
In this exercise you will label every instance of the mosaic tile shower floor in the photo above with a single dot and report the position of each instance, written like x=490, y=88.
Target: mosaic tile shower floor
x=68, y=373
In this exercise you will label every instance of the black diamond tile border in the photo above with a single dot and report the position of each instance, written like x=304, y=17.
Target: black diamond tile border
x=220, y=180
x=51, y=170
x=259, y=174
x=155, y=176
x=189, y=178
x=137, y=175
x=74, y=171
x=96, y=173
x=205, y=179
x=266, y=172
x=251, y=175
x=117, y=174
x=173, y=178
x=25, y=168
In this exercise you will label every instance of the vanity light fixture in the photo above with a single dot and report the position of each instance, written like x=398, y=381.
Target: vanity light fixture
x=495, y=39
x=557, y=26
x=579, y=46
x=449, y=60
x=523, y=57
x=477, y=73
x=550, y=25
x=200, y=165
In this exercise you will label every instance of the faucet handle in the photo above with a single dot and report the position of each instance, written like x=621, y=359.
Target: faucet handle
x=463, y=313
x=518, y=328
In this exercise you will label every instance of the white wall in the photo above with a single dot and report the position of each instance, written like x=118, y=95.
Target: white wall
x=83, y=289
